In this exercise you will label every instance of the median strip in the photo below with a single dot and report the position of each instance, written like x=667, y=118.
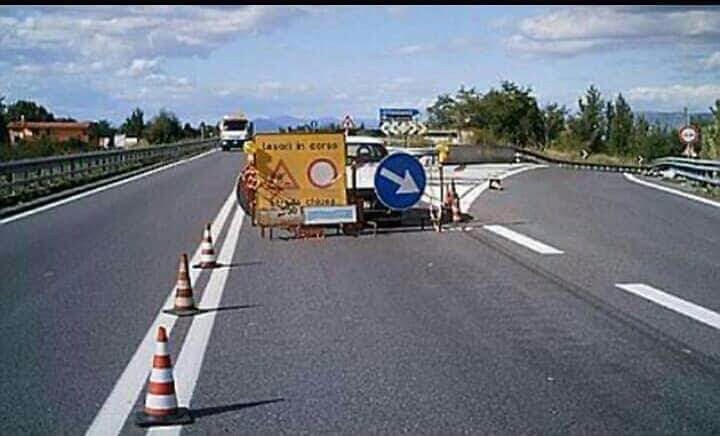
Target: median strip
x=100, y=189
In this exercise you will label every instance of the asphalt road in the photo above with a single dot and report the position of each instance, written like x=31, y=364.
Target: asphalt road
x=406, y=331
x=82, y=282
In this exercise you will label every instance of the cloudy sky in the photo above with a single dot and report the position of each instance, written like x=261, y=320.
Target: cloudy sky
x=202, y=62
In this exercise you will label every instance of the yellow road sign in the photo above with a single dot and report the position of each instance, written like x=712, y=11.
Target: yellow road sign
x=301, y=169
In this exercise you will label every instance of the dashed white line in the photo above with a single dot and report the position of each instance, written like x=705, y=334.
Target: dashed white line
x=672, y=191
x=521, y=239
x=692, y=310
x=100, y=189
x=113, y=413
x=189, y=363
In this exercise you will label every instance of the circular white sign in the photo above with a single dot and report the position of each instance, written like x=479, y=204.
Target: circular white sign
x=322, y=173
x=688, y=134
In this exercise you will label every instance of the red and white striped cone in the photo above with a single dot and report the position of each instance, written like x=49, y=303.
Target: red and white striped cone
x=495, y=183
x=161, y=402
x=449, y=198
x=207, y=252
x=456, y=216
x=184, y=302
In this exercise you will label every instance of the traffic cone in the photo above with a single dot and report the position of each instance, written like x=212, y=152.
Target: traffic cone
x=456, y=216
x=449, y=197
x=496, y=183
x=207, y=252
x=161, y=402
x=184, y=302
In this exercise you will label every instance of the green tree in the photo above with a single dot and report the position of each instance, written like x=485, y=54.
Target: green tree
x=441, y=113
x=553, y=123
x=165, y=127
x=621, y=128
x=189, y=132
x=134, y=125
x=588, y=126
x=512, y=113
x=711, y=135
x=31, y=110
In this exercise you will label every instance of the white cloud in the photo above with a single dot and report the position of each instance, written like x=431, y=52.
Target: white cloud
x=266, y=89
x=140, y=68
x=413, y=49
x=712, y=61
x=575, y=30
x=675, y=96
x=124, y=33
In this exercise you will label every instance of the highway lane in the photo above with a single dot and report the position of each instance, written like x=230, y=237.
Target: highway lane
x=82, y=282
x=459, y=332
x=614, y=231
x=409, y=331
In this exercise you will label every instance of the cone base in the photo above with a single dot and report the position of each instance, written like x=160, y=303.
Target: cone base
x=207, y=265
x=182, y=312
x=181, y=417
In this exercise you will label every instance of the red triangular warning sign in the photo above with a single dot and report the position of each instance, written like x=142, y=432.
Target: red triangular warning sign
x=283, y=178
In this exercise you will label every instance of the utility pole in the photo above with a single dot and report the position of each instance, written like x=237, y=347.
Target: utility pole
x=687, y=116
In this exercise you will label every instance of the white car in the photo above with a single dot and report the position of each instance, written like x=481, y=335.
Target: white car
x=366, y=152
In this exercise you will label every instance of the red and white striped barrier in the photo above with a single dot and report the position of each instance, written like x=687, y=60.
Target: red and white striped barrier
x=161, y=406
x=184, y=302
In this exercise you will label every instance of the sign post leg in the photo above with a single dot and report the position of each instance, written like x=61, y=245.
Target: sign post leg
x=442, y=184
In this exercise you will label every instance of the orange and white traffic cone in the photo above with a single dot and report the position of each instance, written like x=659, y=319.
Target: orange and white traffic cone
x=456, y=216
x=449, y=197
x=495, y=183
x=207, y=252
x=184, y=302
x=161, y=406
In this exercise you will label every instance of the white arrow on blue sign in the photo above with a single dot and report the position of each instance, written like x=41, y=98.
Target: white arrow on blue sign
x=400, y=181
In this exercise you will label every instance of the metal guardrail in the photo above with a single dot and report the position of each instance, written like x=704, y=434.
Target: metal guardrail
x=27, y=178
x=699, y=170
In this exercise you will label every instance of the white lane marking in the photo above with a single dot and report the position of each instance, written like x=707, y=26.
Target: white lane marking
x=692, y=310
x=468, y=194
x=671, y=190
x=189, y=362
x=118, y=405
x=474, y=193
x=521, y=239
x=100, y=189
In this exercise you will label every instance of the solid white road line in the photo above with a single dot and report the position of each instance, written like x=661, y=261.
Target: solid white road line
x=468, y=194
x=671, y=191
x=521, y=239
x=692, y=310
x=111, y=417
x=469, y=198
x=100, y=189
x=189, y=362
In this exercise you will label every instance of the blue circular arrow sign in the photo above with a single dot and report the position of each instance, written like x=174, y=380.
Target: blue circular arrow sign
x=399, y=181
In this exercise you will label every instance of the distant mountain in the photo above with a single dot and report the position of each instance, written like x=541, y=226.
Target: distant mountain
x=272, y=124
x=673, y=119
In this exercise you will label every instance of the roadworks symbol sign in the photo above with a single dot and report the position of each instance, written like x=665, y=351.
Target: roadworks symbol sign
x=283, y=178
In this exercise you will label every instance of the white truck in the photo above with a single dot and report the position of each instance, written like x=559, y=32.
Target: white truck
x=235, y=129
